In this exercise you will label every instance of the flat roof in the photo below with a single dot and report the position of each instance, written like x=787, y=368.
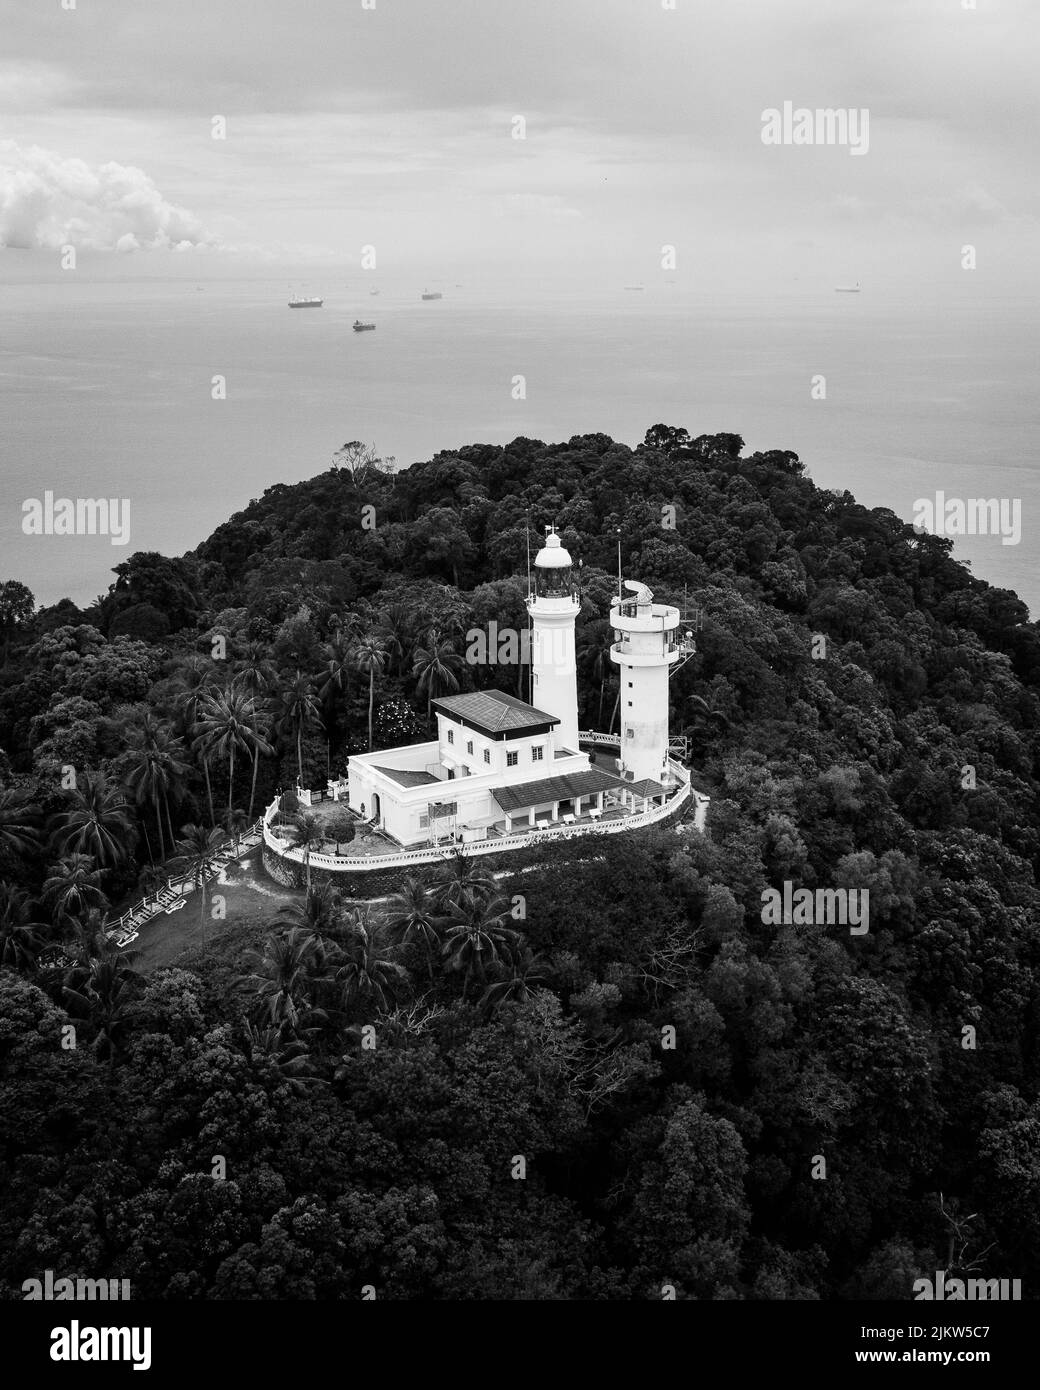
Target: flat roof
x=404, y=777
x=494, y=712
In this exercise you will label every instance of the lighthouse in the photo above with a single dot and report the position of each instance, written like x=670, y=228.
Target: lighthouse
x=553, y=605
x=644, y=650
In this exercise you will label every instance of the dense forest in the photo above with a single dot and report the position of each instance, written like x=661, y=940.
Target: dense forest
x=637, y=1086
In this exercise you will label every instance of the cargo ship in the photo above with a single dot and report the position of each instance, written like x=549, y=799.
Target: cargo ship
x=305, y=302
x=427, y=294
x=360, y=327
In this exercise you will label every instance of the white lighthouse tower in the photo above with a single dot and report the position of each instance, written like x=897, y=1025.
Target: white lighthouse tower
x=553, y=606
x=644, y=649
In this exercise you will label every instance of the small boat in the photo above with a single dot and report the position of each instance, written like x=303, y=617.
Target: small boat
x=360, y=327
x=634, y=287
x=426, y=294
x=847, y=289
x=373, y=291
x=305, y=302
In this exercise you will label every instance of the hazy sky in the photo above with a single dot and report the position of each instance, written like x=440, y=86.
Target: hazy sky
x=391, y=126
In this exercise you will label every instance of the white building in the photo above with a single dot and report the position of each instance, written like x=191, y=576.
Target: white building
x=499, y=765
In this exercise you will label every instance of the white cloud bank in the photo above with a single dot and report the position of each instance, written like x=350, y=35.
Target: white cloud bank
x=47, y=202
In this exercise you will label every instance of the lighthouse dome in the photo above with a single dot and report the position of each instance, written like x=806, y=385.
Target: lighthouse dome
x=552, y=556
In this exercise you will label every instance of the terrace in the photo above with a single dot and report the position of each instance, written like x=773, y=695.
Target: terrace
x=615, y=809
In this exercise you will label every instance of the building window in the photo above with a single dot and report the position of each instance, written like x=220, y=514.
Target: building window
x=630, y=685
x=511, y=759
x=629, y=733
x=451, y=735
x=424, y=821
x=537, y=754
x=469, y=746
x=629, y=704
x=487, y=755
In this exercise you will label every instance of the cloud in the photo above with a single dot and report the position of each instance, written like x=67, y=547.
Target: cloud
x=47, y=202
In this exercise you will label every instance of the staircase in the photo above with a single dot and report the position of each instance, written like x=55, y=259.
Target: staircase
x=173, y=894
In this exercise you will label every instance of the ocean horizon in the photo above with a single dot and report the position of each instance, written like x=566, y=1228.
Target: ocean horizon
x=106, y=388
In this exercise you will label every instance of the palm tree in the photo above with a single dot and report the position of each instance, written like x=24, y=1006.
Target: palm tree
x=594, y=654
x=18, y=833
x=370, y=657
x=256, y=676
x=227, y=725
x=281, y=977
x=287, y=1053
x=202, y=746
x=518, y=979
x=436, y=663
x=298, y=708
x=396, y=630
x=95, y=822
x=707, y=714
x=156, y=766
x=197, y=853
x=460, y=876
x=308, y=834
x=105, y=997
x=368, y=971
x=334, y=677
x=192, y=683
x=412, y=915
x=475, y=936
x=21, y=936
x=72, y=888
x=257, y=679
x=320, y=915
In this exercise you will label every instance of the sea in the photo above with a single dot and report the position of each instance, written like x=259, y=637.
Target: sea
x=187, y=387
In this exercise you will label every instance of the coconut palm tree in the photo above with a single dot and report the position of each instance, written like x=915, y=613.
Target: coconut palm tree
x=518, y=976
x=476, y=936
x=196, y=679
x=95, y=821
x=297, y=709
x=227, y=725
x=21, y=936
x=413, y=916
x=370, y=658
x=368, y=973
x=309, y=832
x=281, y=978
x=287, y=1053
x=71, y=889
x=594, y=655
x=460, y=876
x=334, y=677
x=396, y=629
x=19, y=835
x=257, y=678
x=437, y=664
x=320, y=915
x=104, y=997
x=197, y=853
x=155, y=767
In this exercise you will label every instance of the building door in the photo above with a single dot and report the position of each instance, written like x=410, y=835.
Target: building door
x=376, y=808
